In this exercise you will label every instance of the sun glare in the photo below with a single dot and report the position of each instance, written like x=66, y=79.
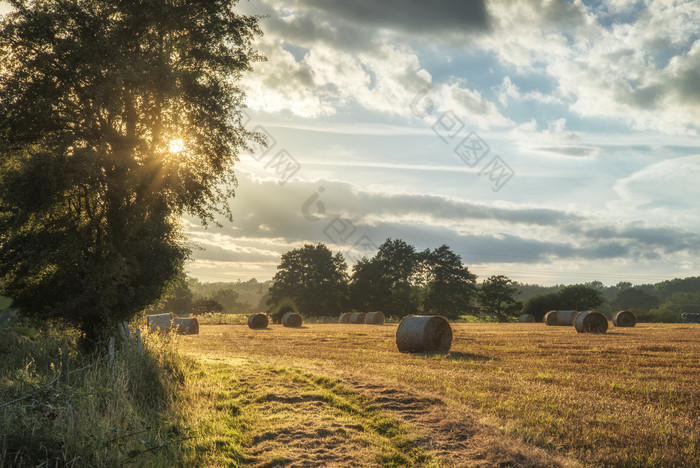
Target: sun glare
x=176, y=146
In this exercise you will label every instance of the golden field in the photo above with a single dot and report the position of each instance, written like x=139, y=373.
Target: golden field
x=518, y=394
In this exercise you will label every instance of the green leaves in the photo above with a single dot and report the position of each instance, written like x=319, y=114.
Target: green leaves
x=91, y=95
x=5, y=303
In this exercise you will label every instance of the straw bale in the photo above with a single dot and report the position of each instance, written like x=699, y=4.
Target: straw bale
x=424, y=333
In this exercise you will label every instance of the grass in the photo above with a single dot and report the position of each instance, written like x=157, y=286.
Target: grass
x=102, y=417
x=625, y=398
x=339, y=395
x=263, y=415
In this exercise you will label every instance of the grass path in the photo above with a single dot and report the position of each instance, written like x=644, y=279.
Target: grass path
x=265, y=415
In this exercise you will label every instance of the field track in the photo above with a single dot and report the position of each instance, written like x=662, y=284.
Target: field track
x=513, y=394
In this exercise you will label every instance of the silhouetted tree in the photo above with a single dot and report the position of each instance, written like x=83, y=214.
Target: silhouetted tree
x=116, y=117
x=389, y=279
x=540, y=304
x=450, y=288
x=634, y=299
x=314, y=278
x=579, y=297
x=497, y=298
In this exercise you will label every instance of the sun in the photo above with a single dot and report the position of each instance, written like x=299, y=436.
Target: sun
x=176, y=145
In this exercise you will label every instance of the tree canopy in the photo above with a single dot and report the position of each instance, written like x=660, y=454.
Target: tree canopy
x=450, y=289
x=387, y=281
x=497, y=298
x=115, y=118
x=314, y=278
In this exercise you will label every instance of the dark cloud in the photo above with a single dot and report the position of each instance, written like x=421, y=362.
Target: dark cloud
x=273, y=218
x=408, y=16
x=575, y=151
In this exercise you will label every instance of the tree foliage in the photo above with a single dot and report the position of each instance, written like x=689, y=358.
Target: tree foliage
x=635, y=299
x=580, y=297
x=540, y=304
x=115, y=118
x=314, y=278
x=388, y=281
x=572, y=297
x=450, y=288
x=497, y=298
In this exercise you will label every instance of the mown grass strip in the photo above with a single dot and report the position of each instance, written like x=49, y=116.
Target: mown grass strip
x=246, y=399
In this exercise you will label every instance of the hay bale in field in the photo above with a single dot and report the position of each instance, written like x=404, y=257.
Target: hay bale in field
x=624, y=318
x=559, y=318
x=573, y=318
x=357, y=317
x=424, y=333
x=160, y=322
x=186, y=326
x=258, y=321
x=344, y=317
x=375, y=318
x=591, y=322
x=526, y=318
x=550, y=318
x=292, y=320
x=565, y=318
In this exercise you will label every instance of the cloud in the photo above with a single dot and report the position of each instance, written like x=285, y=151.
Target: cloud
x=507, y=91
x=272, y=219
x=556, y=139
x=667, y=186
x=408, y=16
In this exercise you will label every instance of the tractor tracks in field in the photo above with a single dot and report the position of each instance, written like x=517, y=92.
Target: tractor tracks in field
x=294, y=417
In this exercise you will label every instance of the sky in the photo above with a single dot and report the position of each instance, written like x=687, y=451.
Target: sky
x=549, y=141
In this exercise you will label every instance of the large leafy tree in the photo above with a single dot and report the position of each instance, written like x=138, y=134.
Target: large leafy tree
x=450, y=289
x=314, y=278
x=580, y=297
x=368, y=287
x=574, y=297
x=636, y=299
x=388, y=281
x=115, y=118
x=497, y=298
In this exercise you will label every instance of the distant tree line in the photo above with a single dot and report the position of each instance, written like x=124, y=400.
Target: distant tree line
x=189, y=296
x=399, y=280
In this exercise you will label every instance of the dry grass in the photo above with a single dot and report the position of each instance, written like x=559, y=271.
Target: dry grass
x=628, y=397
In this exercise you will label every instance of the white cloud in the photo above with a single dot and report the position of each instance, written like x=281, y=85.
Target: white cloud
x=667, y=189
x=507, y=91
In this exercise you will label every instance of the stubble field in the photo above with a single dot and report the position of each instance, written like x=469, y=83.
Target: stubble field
x=506, y=394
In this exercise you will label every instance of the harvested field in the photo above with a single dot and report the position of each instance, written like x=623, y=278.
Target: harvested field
x=508, y=394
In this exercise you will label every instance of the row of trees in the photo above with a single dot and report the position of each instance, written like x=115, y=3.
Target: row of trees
x=189, y=296
x=398, y=280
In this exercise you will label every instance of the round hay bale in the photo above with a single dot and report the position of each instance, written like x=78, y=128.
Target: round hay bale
x=573, y=318
x=565, y=318
x=550, y=318
x=424, y=334
x=357, y=317
x=591, y=322
x=526, y=318
x=258, y=321
x=160, y=322
x=344, y=317
x=624, y=318
x=292, y=320
x=374, y=318
x=186, y=326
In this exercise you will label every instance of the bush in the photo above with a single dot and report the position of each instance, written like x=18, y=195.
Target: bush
x=286, y=304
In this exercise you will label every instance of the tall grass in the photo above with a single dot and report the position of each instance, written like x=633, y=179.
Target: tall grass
x=103, y=417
